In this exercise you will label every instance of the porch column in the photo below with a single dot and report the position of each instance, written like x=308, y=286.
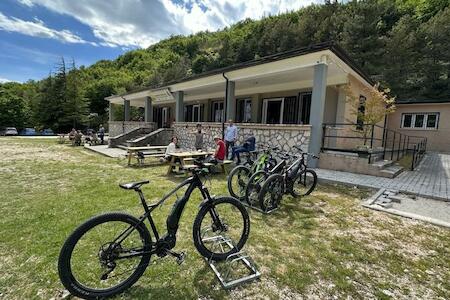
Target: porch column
x=317, y=109
x=340, y=113
x=111, y=113
x=231, y=104
x=126, y=110
x=148, y=113
x=179, y=106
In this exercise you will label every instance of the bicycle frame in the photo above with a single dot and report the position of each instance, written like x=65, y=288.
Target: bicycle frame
x=168, y=241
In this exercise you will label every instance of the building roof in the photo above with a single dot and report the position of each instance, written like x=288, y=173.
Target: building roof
x=335, y=48
x=422, y=101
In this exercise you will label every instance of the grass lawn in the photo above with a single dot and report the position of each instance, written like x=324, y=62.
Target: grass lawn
x=324, y=246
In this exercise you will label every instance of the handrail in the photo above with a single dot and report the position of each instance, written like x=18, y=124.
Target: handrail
x=394, y=144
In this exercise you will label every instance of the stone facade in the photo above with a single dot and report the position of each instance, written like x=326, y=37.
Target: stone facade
x=280, y=135
x=119, y=127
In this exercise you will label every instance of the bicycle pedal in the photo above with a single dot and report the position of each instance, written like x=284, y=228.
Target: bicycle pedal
x=180, y=258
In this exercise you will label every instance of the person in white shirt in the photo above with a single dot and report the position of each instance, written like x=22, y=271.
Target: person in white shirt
x=231, y=135
x=171, y=148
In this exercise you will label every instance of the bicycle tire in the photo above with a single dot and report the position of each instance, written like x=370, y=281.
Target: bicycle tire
x=273, y=187
x=64, y=262
x=306, y=189
x=251, y=188
x=197, y=230
x=237, y=172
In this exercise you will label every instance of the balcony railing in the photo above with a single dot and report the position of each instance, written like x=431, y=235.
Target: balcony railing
x=373, y=141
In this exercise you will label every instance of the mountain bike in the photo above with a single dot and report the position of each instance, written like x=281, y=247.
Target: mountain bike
x=295, y=179
x=108, y=253
x=239, y=176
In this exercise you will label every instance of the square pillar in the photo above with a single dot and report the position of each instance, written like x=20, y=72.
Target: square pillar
x=126, y=110
x=230, y=102
x=148, y=110
x=340, y=111
x=317, y=109
x=179, y=106
x=110, y=112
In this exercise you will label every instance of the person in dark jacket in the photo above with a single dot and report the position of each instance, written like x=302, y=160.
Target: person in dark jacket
x=248, y=146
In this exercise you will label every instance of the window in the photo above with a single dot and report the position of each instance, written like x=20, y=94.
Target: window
x=420, y=120
x=361, y=112
x=217, y=113
x=305, y=106
x=244, y=110
x=193, y=113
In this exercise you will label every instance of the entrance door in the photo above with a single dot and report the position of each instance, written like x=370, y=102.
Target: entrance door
x=273, y=110
x=305, y=107
x=196, y=113
x=165, y=117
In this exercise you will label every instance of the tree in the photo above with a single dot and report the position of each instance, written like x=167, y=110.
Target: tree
x=13, y=109
x=376, y=106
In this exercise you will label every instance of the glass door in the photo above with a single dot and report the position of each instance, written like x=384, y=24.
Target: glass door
x=273, y=111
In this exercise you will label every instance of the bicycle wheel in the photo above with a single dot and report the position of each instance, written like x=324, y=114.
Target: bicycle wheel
x=254, y=187
x=271, y=192
x=92, y=266
x=304, y=183
x=237, y=181
x=221, y=228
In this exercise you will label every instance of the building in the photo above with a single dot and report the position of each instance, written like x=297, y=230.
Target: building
x=428, y=118
x=283, y=99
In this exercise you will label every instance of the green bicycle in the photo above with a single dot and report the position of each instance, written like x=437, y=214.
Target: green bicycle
x=240, y=175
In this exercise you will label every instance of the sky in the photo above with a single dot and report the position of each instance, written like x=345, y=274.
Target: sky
x=35, y=34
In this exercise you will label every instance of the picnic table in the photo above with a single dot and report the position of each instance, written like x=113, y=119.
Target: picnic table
x=152, y=151
x=185, y=155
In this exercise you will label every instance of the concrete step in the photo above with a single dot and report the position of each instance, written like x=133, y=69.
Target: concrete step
x=382, y=164
x=391, y=171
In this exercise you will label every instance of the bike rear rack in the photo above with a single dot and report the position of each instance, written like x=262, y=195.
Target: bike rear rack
x=239, y=260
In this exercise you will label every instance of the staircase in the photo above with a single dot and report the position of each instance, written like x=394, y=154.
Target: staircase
x=143, y=137
x=387, y=168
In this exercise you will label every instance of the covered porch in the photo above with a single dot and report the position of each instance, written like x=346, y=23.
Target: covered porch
x=282, y=100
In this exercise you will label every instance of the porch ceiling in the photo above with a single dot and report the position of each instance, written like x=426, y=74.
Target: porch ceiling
x=287, y=80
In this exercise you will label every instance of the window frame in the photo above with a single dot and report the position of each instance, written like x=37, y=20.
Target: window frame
x=425, y=121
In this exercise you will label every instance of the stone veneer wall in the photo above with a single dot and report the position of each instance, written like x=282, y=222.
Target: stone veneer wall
x=281, y=135
x=120, y=127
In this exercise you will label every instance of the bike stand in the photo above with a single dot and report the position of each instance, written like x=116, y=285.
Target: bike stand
x=233, y=262
x=259, y=209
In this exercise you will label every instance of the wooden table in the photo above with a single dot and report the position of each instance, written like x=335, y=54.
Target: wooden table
x=132, y=150
x=184, y=155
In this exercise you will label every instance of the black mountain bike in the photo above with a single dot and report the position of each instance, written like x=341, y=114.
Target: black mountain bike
x=295, y=179
x=110, y=252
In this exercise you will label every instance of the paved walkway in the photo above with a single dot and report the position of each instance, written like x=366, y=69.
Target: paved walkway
x=430, y=179
x=110, y=152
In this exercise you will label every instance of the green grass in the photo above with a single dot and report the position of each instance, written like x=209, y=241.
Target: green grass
x=322, y=246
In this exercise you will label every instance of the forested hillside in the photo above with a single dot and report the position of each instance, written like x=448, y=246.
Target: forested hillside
x=404, y=44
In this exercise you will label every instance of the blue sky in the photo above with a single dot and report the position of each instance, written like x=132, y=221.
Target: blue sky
x=35, y=34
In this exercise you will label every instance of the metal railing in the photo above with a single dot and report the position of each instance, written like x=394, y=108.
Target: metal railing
x=373, y=141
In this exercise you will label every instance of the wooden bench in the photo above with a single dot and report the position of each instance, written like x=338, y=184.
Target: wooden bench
x=140, y=153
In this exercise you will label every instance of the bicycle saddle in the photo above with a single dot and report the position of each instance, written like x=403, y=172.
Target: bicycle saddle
x=133, y=185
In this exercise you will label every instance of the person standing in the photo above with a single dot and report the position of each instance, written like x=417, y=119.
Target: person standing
x=101, y=133
x=231, y=134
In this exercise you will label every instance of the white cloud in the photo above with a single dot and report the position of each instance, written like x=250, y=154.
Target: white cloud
x=142, y=23
x=3, y=80
x=37, y=28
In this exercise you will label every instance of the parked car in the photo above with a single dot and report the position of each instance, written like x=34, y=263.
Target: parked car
x=47, y=131
x=28, y=131
x=11, y=131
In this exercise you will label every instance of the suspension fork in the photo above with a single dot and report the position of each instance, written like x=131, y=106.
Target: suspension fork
x=214, y=215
